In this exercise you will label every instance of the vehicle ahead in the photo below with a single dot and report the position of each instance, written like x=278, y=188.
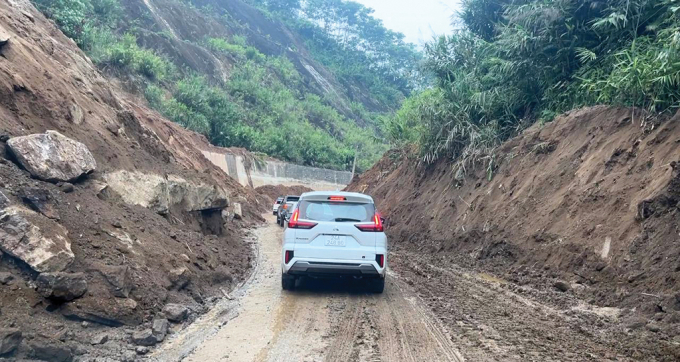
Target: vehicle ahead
x=278, y=202
x=284, y=206
x=335, y=234
x=287, y=212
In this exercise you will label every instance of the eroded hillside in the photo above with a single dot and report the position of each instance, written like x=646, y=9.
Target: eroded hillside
x=246, y=77
x=587, y=205
x=150, y=222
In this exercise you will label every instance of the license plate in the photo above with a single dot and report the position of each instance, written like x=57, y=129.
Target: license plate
x=335, y=240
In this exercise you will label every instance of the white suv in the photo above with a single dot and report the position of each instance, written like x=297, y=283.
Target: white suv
x=333, y=234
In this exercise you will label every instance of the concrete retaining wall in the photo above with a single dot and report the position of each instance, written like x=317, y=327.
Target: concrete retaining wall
x=279, y=173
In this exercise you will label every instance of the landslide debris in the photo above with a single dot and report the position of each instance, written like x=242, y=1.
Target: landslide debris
x=89, y=257
x=51, y=156
x=584, y=208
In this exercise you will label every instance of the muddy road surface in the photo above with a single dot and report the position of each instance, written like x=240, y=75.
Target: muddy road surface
x=428, y=312
x=322, y=320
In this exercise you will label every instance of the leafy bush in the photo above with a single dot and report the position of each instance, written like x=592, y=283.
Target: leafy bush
x=515, y=62
x=126, y=54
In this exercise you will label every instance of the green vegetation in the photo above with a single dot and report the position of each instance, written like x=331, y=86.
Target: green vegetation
x=355, y=46
x=514, y=62
x=264, y=105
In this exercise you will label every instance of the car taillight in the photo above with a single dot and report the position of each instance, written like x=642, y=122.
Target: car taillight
x=294, y=223
x=380, y=259
x=375, y=227
x=289, y=256
x=285, y=207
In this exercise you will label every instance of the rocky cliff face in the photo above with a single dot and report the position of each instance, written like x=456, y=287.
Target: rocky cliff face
x=114, y=199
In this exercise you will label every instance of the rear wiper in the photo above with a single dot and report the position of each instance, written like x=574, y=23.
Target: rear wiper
x=342, y=219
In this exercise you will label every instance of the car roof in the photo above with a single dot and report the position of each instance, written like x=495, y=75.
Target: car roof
x=323, y=195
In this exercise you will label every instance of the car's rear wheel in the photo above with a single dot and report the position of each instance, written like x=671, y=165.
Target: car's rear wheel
x=287, y=282
x=376, y=285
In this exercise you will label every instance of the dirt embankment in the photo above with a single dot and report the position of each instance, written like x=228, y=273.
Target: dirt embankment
x=590, y=200
x=135, y=259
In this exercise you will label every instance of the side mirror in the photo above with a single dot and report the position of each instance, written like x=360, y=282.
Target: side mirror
x=382, y=220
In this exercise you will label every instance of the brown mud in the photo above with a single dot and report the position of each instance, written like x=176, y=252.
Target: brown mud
x=584, y=211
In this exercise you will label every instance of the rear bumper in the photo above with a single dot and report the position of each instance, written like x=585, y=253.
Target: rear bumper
x=331, y=269
x=334, y=268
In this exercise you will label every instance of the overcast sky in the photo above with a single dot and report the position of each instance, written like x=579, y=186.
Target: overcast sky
x=418, y=19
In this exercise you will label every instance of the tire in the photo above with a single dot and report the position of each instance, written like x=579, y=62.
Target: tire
x=287, y=282
x=376, y=286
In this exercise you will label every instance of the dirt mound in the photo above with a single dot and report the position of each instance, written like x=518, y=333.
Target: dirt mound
x=590, y=199
x=135, y=259
x=272, y=192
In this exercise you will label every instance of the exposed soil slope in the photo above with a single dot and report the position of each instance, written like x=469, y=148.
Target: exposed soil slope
x=590, y=199
x=186, y=257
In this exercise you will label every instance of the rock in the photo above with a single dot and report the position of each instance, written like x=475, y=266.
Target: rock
x=161, y=193
x=39, y=200
x=144, y=338
x=5, y=278
x=118, y=278
x=52, y=156
x=129, y=356
x=159, y=329
x=38, y=241
x=100, y=339
x=62, y=287
x=185, y=258
x=66, y=187
x=85, y=324
x=51, y=352
x=4, y=201
x=141, y=350
x=652, y=327
x=10, y=339
x=3, y=41
x=112, y=312
x=176, y=313
x=636, y=323
x=562, y=286
x=238, y=213
x=75, y=114
x=179, y=278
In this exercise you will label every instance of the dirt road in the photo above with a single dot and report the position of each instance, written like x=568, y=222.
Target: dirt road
x=427, y=313
x=320, y=321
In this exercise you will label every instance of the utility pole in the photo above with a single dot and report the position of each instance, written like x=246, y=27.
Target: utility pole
x=354, y=164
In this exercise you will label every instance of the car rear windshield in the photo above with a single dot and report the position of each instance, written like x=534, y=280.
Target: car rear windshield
x=336, y=211
x=292, y=198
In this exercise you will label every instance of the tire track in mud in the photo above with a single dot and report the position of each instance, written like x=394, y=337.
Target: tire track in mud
x=322, y=320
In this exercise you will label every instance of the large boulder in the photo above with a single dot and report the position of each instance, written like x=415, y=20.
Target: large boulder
x=63, y=287
x=51, y=156
x=10, y=339
x=41, y=243
x=163, y=193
